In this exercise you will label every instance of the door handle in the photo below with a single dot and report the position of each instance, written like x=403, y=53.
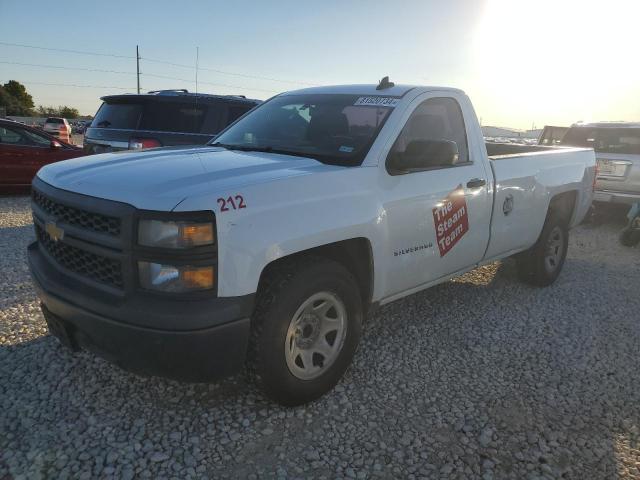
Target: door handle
x=476, y=182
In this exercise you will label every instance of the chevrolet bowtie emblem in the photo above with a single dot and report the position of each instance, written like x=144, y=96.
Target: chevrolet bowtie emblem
x=54, y=231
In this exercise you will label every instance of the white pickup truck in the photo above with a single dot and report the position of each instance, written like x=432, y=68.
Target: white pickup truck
x=268, y=247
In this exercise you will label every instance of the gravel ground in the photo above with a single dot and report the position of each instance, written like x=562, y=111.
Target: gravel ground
x=481, y=377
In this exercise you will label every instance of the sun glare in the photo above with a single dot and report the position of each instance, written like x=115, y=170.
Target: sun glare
x=568, y=59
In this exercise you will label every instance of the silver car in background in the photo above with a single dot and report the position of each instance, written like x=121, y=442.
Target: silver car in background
x=617, y=147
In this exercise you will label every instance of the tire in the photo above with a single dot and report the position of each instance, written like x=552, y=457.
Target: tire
x=629, y=237
x=304, y=306
x=541, y=264
x=591, y=216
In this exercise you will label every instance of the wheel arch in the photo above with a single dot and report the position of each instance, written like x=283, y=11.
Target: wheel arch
x=564, y=205
x=355, y=254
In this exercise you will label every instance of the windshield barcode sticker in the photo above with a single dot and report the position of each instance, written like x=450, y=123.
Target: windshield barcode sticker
x=378, y=101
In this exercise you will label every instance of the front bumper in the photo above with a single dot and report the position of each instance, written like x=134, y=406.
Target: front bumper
x=610, y=196
x=196, y=340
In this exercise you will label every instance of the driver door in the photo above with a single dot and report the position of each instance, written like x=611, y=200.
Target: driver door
x=438, y=218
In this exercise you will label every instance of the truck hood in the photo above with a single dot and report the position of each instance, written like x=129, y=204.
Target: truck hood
x=160, y=179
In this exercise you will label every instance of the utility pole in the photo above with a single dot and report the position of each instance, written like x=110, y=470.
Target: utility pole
x=138, y=67
x=197, y=58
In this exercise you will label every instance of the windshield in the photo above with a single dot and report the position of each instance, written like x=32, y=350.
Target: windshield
x=606, y=140
x=337, y=129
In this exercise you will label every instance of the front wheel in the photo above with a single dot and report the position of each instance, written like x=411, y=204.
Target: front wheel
x=541, y=264
x=305, y=330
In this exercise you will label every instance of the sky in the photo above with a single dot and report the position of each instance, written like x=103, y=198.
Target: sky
x=522, y=62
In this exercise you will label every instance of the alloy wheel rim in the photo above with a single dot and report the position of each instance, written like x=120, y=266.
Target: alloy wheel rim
x=316, y=335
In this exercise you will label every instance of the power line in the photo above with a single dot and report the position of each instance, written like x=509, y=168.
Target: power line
x=127, y=88
x=79, y=52
x=222, y=72
x=257, y=77
x=74, y=85
x=60, y=67
x=181, y=65
x=207, y=83
x=164, y=62
x=236, y=86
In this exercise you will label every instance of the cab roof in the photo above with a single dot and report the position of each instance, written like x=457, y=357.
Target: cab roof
x=367, y=89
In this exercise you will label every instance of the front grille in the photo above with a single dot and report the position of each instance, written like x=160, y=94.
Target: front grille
x=78, y=217
x=95, y=267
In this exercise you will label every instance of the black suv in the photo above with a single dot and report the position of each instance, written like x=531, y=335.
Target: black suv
x=161, y=118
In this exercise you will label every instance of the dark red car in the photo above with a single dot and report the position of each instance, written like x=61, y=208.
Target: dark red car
x=23, y=150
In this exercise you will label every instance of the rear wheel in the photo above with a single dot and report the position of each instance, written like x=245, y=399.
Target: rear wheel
x=305, y=330
x=630, y=237
x=541, y=264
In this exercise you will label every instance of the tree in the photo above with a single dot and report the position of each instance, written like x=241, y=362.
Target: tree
x=46, y=111
x=8, y=102
x=61, y=111
x=68, y=112
x=16, y=100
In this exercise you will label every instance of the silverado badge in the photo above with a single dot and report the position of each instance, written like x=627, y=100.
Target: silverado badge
x=54, y=231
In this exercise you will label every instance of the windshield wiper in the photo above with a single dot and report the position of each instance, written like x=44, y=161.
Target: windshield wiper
x=242, y=148
x=254, y=148
x=269, y=149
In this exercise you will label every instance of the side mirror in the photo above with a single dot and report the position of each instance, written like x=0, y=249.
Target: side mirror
x=424, y=154
x=55, y=144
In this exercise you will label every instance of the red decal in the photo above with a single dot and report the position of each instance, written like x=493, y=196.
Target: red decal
x=240, y=201
x=451, y=220
x=235, y=202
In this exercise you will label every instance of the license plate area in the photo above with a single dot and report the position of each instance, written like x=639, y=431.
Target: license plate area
x=612, y=168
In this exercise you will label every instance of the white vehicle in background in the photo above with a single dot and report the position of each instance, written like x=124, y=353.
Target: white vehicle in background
x=268, y=247
x=617, y=147
x=58, y=127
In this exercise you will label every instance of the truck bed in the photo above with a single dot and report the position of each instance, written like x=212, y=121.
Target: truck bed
x=495, y=151
x=526, y=180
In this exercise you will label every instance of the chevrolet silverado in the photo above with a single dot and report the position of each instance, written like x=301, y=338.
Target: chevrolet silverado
x=266, y=248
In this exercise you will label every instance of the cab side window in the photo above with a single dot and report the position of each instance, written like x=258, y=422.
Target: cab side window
x=36, y=139
x=22, y=137
x=434, y=123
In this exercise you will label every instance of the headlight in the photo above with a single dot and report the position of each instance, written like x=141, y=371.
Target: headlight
x=172, y=278
x=156, y=233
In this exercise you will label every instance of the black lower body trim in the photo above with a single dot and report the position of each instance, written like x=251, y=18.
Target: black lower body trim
x=214, y=346
x=196, y=356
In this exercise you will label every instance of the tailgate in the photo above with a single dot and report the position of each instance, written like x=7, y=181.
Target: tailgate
x=618, y=172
